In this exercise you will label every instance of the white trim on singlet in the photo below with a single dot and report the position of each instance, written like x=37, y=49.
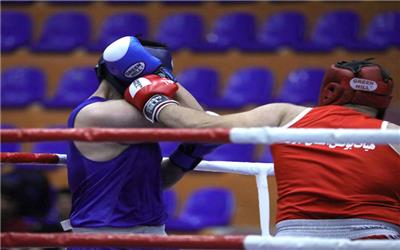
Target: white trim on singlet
x=297, y=118
x=384, y=126
x=336, y=228
x=159, y=230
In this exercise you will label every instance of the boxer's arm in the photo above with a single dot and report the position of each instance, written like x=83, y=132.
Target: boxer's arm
x=170, y=173
x=276, y=114
x=186, y=99
x=111, y=114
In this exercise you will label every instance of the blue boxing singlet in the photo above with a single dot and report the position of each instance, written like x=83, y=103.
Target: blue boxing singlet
x=122, y=192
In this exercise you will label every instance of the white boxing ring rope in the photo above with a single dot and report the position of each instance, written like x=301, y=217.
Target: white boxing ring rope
x=270, y=135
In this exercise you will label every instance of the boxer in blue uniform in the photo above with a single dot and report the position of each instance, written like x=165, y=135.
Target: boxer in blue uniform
x=117, y=187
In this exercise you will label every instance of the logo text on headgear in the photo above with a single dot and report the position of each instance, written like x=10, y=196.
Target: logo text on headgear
x=363, y=84
x=135, y=70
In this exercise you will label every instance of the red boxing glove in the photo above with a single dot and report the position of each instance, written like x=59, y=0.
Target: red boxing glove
x=150, y=94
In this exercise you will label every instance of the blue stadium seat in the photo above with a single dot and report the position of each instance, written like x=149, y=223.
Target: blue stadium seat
x=168, y=147
x=181, y=30
x=205, y=207
x=75, y=85
x=52, y=147
x=232, y=152
x=266, y=155
x=333, y=29
x=284, y=28
x=16, y=30
x=302, y=86
x=55, y=147
x=247, y=86
x=119, y=25
x=17, y=2
x=64, y=31
x=202, y=83
x=9, y=146
x=22, y=86
x=230, y=30
x=170, y=199
x=382, y=32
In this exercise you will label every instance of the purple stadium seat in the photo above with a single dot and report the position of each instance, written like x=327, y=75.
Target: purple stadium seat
x=284, y=28
x=202, y=83
x=17, y=2
x=333, y=29
x=168, y=147
x=66, y=2
x=247, y=86
x=16, y=30
x=119, y=25
x=302, y=86
x=205, y=207
x=21, y=86
x=266, y=155
x=170, y=200
x=382, y=32
x=9, y=146
x=75, y=85
x=232, y=152
x=181, y=30
x=64, y=31
x=53, y=147
x=130, y=2
x=229, y=31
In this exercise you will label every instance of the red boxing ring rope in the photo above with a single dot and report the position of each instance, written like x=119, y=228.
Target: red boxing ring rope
x=263, y=135
x=17, y=157
x=219, y=135
x=250, y=242
x=120, y=240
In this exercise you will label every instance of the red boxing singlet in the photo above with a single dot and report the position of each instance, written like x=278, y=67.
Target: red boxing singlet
x=337, y=181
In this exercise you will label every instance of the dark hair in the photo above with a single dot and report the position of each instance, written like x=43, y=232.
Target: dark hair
x=30, y=190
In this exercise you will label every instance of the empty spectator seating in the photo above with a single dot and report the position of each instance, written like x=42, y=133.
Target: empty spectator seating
x=247, y=86
x=302, y=86
x=266, y=155
x=55, y=147
x=205, y=207
x=22, y=86
x=16, y=30
x=9, y=146
x=230, y=30
x=167, y=148
x=170, y=199
x=75, y=85
x=333, y=29
x=119, y=25
x=232, y=152
x=51, y=147
x=181, y=30
x=202, y=83
x=64, y=31
x=280, y=29
x=382, y=32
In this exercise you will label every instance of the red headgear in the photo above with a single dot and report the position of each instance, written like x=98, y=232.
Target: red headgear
x=357, y=82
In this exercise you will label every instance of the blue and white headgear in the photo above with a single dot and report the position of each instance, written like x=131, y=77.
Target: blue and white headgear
x=129, y=58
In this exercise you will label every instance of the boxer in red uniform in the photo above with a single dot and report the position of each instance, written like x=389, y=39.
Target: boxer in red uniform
x=325, y=190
